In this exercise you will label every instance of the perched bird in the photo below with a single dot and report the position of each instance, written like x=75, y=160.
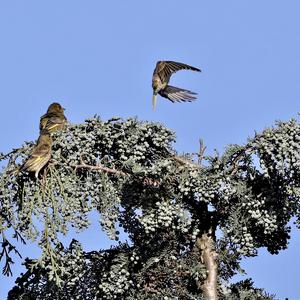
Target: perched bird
x=161, y=77
x=40, y=154
x=54, y=119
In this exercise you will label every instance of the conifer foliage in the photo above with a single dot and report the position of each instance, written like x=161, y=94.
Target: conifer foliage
x=168, y=206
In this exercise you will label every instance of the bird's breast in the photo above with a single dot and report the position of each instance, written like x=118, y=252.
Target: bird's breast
x=157, y=85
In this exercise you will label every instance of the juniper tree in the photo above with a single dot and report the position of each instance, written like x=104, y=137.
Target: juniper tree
x=168, y=206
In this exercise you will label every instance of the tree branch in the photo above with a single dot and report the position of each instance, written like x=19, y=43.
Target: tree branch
x=185, y=162
x=237, y=159
x=206, y=246
x=201, y=151
x=191, y=164
x=146, y=181
x=83, y=165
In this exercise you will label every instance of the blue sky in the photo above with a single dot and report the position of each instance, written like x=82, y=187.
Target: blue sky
x=97, y=57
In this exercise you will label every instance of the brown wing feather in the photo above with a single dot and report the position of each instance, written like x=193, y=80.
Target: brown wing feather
x=164, y=69
x=175, y=94
x=40, y=154
x=52, y=121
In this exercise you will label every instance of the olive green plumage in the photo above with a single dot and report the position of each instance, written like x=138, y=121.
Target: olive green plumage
x=54, y=119
x=161, y=77
x=40, y=155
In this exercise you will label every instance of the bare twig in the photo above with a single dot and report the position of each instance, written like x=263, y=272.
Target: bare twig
x=149, y=181
x=190, y=163
x=201, y=151
x=238, y=158
x=4, y=156
x=83, y=165
x=235, y=164
x=186, y=162
x=146, y=181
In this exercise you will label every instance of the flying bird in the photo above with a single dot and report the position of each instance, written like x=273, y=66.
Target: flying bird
x=40, y=154
x=54, y=119
x=161, y=77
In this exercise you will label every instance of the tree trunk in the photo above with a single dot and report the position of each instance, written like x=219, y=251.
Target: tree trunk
x=209, y=257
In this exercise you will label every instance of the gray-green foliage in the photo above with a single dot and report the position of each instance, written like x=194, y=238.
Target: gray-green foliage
x=163, y=203
x=243, y=290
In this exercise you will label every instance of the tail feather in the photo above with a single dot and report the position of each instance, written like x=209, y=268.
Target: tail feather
x=154, y=99
x=175, y=94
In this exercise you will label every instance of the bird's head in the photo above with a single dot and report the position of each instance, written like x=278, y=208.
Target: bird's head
x=55, y=107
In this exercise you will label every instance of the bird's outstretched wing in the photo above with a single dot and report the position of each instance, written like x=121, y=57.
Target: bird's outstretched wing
x=175, y=94
x=164, y=69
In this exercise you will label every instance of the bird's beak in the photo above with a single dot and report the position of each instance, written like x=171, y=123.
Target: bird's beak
x=154, y=101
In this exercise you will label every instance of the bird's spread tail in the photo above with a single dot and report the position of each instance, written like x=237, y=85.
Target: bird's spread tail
x=154, y=99
x=176, y=94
